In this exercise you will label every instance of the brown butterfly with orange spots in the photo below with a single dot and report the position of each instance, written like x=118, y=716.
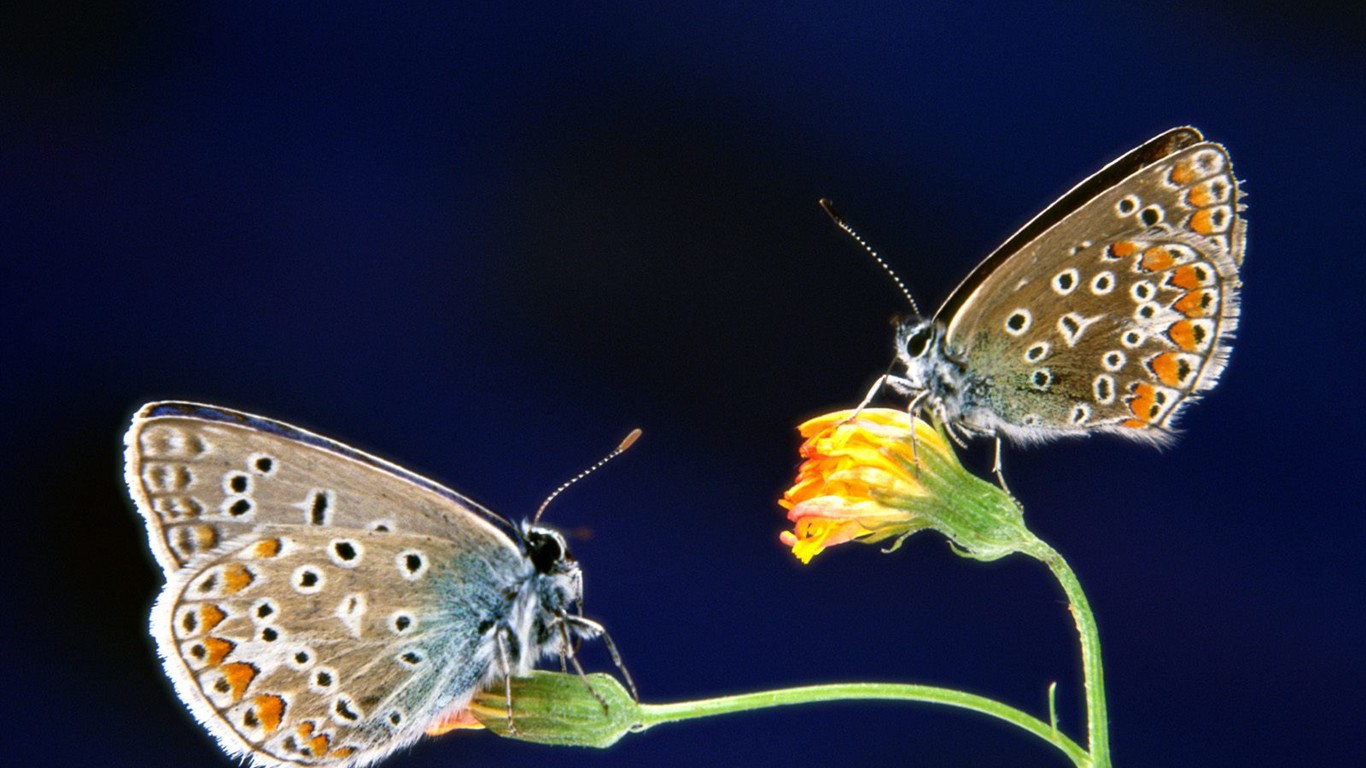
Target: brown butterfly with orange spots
x=1109, y=312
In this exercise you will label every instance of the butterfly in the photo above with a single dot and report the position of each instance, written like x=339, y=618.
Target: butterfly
x=1109, y=312
x=326, y=607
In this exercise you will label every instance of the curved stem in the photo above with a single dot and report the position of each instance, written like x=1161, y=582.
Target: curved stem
x=1097, y=718
x=654, y=714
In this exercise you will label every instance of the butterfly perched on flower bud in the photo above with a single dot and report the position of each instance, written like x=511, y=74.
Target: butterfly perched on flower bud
x=325, y=607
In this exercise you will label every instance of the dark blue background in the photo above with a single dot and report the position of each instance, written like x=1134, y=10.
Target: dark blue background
x=486, y=244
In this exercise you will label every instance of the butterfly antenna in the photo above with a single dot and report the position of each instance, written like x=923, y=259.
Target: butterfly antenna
x=626, y=443
x=844, y=225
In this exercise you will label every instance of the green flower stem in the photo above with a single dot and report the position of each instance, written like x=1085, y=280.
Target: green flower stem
x=559, y=709
x=654, y=714
x=1097, y=719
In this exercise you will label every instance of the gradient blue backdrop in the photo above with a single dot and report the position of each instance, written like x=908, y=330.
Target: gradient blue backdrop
x=487, y=243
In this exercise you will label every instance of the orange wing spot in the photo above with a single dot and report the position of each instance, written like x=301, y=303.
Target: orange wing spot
x=450, y=722
x=217, y=649
x=265, y=548
x=210, y=616
x=1133, y=424
x=317, y=746
x=1194, y=304
x=1185, y=277
x=236, y=577
x=1200, y=196
x=1157, y=259
x=1208, y=221
x=1123, y=249
x=239, y=675
x=1168, y=367
x=1183, y=174
x=341, y=752
x=313, y=745
x=1143, y=404
x=270, y=710
x=1186, y=334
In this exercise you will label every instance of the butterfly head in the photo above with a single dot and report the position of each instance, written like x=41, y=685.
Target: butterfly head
x=932, y=378
x=917, y=346
x=557, y=573
x=547, y=550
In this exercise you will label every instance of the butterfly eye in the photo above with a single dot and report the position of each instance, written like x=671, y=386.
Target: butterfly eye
x=546, y=550
x=919, y=341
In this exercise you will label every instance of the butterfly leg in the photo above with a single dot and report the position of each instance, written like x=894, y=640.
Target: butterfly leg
x=868, y=398
x=591, y=628
x=616, y=660
x=567, y=652
x=506, y=668
x=885, y=380
x=911, y=409
x=997, y=468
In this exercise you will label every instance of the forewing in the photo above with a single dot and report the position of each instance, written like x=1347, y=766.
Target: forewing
x=202, y=475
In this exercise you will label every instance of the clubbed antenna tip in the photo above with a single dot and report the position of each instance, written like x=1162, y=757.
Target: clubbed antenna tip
x=628, y=441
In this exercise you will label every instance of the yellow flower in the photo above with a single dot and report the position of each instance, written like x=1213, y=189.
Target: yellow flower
x=866, y=477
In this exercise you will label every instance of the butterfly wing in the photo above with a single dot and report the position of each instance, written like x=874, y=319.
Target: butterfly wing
x=332, y=646
x=202, y=475
x=1151, y=151
x=1117, y=307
